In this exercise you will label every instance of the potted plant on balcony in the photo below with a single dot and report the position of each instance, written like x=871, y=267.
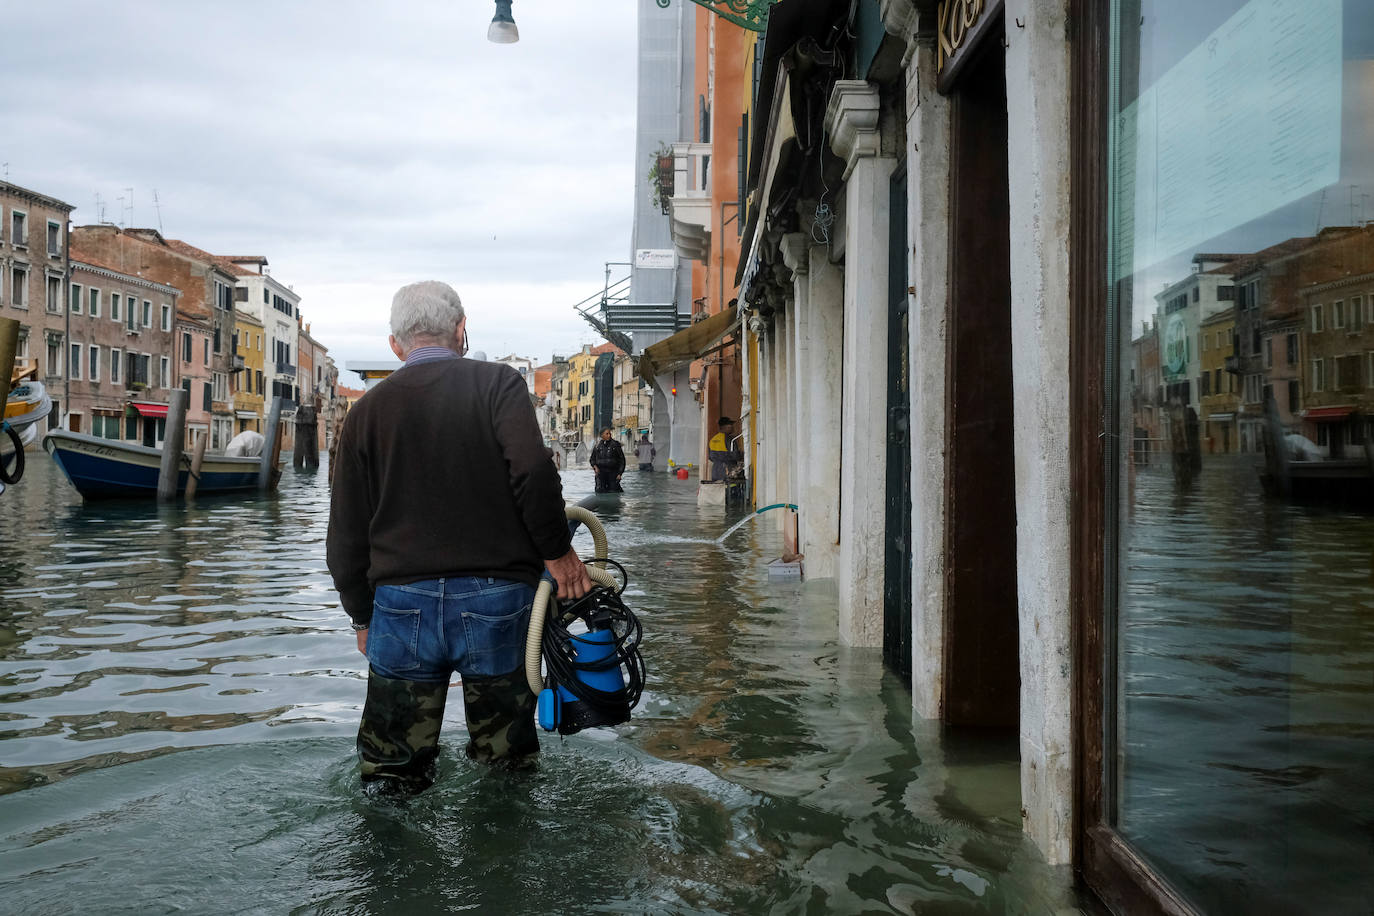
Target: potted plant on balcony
x=661, y=177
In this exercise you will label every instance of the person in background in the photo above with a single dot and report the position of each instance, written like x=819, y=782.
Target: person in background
x=608, y=462
x=645, y=452
x=445, y=511
x=724, y=456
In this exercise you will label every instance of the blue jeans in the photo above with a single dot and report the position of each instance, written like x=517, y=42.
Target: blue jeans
x=425, y=630
x=420, y=634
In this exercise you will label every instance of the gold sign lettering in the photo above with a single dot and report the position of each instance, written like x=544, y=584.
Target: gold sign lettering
x=954, y=21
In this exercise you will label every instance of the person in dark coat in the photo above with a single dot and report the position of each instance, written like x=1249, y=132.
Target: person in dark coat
x=608, y=462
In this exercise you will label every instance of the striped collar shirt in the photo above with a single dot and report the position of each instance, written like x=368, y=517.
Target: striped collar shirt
x=429, y=354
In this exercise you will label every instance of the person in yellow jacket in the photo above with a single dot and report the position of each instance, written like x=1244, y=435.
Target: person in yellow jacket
x=724, y=456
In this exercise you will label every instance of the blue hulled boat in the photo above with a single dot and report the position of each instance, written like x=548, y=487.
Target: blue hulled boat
x=110, y=469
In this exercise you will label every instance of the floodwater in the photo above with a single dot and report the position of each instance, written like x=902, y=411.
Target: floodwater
x=179, y=694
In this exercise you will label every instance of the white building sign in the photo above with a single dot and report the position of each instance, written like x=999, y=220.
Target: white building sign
x=656, y=258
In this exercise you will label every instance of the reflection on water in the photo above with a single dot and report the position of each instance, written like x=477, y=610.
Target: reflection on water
x=1247, y=638
x=766, y=770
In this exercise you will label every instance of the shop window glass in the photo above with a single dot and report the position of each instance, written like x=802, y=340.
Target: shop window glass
x=1240, y=612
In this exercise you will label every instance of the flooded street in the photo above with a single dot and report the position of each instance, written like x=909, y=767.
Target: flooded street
x=179, y=695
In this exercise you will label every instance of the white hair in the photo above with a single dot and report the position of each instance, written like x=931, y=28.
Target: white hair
x=428, y=309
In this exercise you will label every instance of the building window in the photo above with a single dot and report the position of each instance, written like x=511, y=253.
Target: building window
x=185, y=346
x=1293, y=397
x=54, y=357
x=93, y=358
x=54, y=239
x=93, y=302
x=205, y=397
x=205, y=346
x=166, y=317
x=1268, y=352
x=131, y=313
x=1292, y=349
x=19, y=228
x=1356, y=313
x=76, y=360
x=114, y=307
x=164, y=375
x=19, y=287
x=76, y=298
x=1338, y=313
x=1318, y=375
x=1317, y=326
x=147, y=313
x=115, y=356
x=54, y=294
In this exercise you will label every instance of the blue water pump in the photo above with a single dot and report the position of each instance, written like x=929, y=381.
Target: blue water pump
x=596, y=674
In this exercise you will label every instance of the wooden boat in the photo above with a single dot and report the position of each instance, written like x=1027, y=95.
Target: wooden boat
x=26, y=404
x=111, y=469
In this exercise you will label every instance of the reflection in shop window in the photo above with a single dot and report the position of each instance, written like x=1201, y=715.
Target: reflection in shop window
x=1242, y=714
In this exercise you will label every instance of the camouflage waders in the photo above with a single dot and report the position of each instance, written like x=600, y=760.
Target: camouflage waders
x=398, y=740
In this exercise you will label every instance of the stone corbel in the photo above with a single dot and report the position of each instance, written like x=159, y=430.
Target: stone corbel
x=795, y=247
x=851, y=120
x=900, y=18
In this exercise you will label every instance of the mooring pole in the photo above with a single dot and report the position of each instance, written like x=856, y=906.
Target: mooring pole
x=173, y=442
x=193, y=478
x=271, y=448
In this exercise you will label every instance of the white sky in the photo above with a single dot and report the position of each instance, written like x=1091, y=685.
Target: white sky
x=358, y=146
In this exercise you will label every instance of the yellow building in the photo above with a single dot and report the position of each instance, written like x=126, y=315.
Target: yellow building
x=586, y=410
x=248, y=383
x=1218, y=396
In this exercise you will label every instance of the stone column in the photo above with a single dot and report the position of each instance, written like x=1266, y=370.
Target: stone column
x=852, y=124
x=794, y=254
x=820, y=517
x=1039, y=153
x=782, y=322
x=768, y=391
x=928, y=222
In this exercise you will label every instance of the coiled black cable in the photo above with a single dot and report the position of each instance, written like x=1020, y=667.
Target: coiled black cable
x=600, y=609
x=7, y=476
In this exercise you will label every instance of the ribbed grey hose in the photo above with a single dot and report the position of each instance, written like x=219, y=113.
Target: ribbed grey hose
x=534, y=638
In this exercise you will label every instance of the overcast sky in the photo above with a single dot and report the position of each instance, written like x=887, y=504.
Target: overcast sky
x=358, y=146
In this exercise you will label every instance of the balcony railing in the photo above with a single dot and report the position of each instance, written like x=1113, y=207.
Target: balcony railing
x=690, y=206
x=285, y=368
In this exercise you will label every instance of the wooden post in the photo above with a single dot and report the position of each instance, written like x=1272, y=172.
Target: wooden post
x=9, y=346
x=275, y=471
x=193, y=478
x=173, y=442
x=272, y=447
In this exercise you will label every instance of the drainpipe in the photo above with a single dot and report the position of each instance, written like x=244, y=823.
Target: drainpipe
x=720, y=366
x=66, y=306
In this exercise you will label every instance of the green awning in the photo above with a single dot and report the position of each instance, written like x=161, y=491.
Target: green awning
x=686, y=345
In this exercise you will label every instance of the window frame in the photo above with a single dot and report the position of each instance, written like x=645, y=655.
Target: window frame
x=19, y=240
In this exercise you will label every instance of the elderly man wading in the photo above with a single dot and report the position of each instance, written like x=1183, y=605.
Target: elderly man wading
x=446, y=510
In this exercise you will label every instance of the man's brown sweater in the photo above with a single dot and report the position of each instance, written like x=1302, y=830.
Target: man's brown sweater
x=441, y=471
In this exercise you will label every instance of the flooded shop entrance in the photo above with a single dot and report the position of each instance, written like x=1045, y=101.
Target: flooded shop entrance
x=981, y=658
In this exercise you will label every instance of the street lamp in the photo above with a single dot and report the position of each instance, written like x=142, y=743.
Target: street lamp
x=502, y=29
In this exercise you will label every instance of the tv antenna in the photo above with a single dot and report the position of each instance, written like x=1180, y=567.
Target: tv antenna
x=131, y=206
x=157, y=207
x=99, y=208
